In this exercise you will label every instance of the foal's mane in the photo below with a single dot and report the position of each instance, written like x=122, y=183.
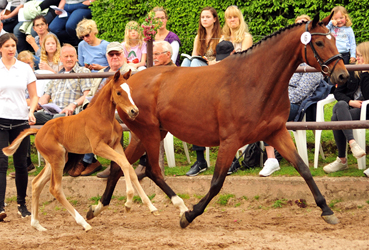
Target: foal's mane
x=281, y=30
x=92, y=102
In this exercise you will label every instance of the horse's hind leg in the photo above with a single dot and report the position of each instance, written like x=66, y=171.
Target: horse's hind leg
x=283, y=143
x=56, y=190
x=38, y=184
x=224, y=160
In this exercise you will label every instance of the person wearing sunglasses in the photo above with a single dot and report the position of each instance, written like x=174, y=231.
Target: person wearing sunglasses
x=91, y=50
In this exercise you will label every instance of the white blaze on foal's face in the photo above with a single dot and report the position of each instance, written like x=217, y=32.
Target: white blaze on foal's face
x=126, y=88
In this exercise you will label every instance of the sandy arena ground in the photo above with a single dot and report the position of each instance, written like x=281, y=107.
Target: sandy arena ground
x=251, y=223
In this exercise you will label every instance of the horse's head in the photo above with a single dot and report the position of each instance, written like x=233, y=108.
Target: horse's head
x=121, y=95
x=320, y=51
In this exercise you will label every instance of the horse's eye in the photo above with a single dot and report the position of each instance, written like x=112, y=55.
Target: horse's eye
x=118, y=93
x=319, y=44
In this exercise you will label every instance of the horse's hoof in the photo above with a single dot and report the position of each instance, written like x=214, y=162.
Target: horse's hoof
x=128, y=209
x=87, y=228
x=90, y=214
x=155, y=212
x=331, y=219
x=184, y=222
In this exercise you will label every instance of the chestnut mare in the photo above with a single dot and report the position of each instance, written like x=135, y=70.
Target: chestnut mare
x=92, y=130
x=240, y=100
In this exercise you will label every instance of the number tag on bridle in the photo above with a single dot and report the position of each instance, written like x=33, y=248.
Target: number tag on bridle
x=306, y=37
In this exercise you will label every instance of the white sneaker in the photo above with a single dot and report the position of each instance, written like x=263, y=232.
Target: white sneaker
x=335, y=166
x=270, y=166
x=366, y=172
x=357, y=151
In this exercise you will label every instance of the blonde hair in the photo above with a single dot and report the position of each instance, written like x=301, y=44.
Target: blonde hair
x=344, y=13
x=86, y=26
x=25, y=55
x=363, y=48
x=242, y=28
x=132, y=25
x=302, y=17
x=56, y=57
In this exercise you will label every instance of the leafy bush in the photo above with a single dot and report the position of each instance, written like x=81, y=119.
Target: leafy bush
x=263, y=16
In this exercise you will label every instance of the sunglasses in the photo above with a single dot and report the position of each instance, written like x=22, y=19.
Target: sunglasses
x=111, y=54
x=88, y=35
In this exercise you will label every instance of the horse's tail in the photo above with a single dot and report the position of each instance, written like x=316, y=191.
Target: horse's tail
x=10, y=150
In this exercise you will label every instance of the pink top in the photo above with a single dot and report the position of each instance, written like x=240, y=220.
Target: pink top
x=135, y=52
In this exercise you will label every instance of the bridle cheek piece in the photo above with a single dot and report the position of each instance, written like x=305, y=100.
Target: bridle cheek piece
x=323, y=65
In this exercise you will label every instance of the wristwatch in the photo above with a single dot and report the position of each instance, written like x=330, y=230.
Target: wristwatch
x=75, y=103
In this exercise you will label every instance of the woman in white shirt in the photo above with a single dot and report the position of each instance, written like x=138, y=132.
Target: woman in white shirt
x=15, y=116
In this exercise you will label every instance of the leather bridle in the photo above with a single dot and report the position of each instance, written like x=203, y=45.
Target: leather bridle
x=323, y=65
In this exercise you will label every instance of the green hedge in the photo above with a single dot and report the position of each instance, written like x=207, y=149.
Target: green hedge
x=263, y=16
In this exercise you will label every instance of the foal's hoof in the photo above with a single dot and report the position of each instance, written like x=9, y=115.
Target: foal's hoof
x=90, y=214
x=331, y=219
x=155, y=212
x=184, y=222
x=128, y=209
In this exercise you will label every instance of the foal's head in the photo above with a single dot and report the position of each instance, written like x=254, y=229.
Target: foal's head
x=121, y=94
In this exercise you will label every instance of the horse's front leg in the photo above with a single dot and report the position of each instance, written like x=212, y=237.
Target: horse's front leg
x=153, y=170
x=224, y=160
x=133, y=152
x=118, y=155
x=282, y=141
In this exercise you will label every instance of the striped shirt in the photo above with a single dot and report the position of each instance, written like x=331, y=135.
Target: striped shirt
x=65, y=91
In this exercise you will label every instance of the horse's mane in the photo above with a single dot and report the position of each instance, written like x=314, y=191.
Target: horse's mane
x=94, y=98
x=281, y=30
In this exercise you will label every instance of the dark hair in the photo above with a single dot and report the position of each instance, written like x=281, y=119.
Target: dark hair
x=201, y=32
x=39, y=17
x=6, y=37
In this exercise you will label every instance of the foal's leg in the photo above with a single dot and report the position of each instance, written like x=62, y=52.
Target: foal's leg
x=283, y=143
x=38, y=184
x=225, y=157
x=133, y=152
x=105, y=151
x=57, y=165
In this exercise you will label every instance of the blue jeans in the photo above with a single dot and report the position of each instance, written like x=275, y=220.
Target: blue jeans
x=194, y=63
x=65, y=28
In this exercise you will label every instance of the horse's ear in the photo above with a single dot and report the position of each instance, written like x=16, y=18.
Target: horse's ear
x=315, y=20
x=116, y=76
x=327, y=19
x=127, y=75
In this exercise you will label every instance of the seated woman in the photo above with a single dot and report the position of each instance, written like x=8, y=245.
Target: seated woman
x=350, y=96
x=166, y=35
x=50, y=54
x=236, y=30
x=91, y=50
x=206, y=40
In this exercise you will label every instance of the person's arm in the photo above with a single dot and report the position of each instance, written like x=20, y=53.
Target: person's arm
x=44, y=66
x=351, y=37
x=364, y=84
x=247, y=41
x=14, y=13
x=44, y=99
x=68, y=110
x=142, y=62
x=33, y=102
x=175, y=48
x=60, y=6
x=32, y=41
x=340, y=93
x=194, y=51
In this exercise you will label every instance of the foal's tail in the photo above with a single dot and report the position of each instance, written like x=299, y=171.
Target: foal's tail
x=10, y=150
